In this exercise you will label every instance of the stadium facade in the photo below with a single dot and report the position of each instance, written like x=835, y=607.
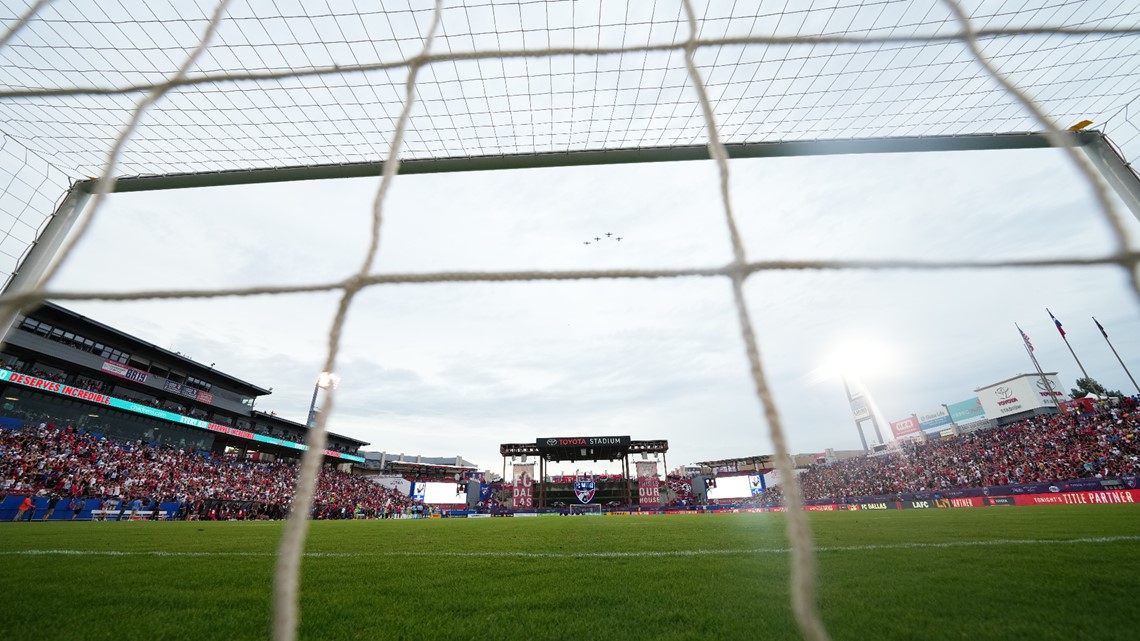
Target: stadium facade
x=59, y=365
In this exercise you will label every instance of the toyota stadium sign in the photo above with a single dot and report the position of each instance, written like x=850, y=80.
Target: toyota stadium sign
x=582, y=441
x=1022, y=393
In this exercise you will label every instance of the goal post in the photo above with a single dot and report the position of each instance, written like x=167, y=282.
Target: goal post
x=591, y=509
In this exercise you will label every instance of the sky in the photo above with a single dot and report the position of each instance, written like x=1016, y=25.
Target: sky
x=457, y=369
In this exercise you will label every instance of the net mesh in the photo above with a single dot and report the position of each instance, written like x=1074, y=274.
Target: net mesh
x=122, y=89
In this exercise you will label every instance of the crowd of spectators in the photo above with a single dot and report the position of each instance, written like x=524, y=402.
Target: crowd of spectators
x=58, y=377
x=679, y=491
x=92, y=385
x=51, y=459
x=1105, y=444
x=60, y=461
x=150, y=401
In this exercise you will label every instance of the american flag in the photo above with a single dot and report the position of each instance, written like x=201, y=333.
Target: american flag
x=1025, y=337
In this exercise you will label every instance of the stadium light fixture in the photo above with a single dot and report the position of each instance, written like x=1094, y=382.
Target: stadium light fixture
x=859, y=357
x=854, y=360
x=325, y=380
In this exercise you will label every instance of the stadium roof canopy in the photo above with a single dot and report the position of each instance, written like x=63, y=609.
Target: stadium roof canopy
x=273, y=417
x=425, y=469
x=762, y=460
x=415, y=464
x=318, y=87
x=51, y=311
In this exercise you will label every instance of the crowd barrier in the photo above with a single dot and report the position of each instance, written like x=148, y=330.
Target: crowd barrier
x=1074, y=485
x=1075, y=492
x=10, y=506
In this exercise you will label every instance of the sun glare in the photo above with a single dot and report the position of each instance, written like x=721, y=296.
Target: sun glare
x=858, y=358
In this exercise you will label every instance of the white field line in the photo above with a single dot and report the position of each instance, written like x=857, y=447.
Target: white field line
x=588, y=555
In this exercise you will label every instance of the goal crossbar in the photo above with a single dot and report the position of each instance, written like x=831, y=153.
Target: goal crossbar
x=615, y=156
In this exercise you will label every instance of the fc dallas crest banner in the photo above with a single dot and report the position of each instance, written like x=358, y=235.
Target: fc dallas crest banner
x=648, y=484
x=523, y=495
x=584, y=489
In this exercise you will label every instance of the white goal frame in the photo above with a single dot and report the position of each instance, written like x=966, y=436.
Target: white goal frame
x=585, y=509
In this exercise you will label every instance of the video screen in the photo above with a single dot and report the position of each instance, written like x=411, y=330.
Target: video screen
x=736, y=487
x=443, y=494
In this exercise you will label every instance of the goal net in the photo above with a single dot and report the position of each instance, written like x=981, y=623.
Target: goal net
x=97, y=98
x=588, y=508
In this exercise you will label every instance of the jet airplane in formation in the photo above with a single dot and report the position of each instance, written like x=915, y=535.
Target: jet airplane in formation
x=598, y=239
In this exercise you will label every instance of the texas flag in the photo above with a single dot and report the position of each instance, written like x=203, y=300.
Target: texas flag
x=1057, y=323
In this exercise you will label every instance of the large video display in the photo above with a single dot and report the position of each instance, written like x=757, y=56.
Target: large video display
x=736, y=487
x=438, y=493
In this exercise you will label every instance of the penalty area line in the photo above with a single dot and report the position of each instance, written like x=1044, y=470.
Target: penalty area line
x=586, y=555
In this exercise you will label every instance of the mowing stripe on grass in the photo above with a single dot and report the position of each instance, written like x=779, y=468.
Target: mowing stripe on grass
x=586, y=555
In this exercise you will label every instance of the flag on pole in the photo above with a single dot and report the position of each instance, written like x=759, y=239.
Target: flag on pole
x=1025, y=337
x=1056, y=322
x=1100, y=327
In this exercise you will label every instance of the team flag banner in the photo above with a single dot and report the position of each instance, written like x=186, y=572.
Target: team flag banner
x=523, y=495
x=585, y=489
x=756, y=484
x=648, y=484
x=418, y=490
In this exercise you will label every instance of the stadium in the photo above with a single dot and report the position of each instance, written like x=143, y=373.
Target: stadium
x=671, y=320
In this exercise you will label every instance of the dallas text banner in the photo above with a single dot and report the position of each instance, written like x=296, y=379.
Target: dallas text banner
x=523, y=495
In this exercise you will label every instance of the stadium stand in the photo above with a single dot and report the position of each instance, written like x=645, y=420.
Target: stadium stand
x=49, y=460
x=60, y=364
x=679, y=491
x=1104, y=445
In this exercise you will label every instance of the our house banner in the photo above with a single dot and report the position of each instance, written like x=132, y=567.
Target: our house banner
x=648, y=484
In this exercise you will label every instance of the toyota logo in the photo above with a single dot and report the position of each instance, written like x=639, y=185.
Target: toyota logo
x=552, y=441
x=1003, y=392
x=1045, y=384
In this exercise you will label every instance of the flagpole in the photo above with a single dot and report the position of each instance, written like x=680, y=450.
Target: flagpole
x=1066, y=339
x=1118, y=359
x=1044, y=381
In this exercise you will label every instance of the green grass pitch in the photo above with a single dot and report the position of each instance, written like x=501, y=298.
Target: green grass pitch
x=1058, y=572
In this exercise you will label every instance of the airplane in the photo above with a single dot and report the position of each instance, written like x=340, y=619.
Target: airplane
x=619, y=239
x=586, y=243
x=608, y=234
x=598, y=238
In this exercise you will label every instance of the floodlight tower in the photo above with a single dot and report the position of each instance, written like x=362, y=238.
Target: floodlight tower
x=324, y=381
x=861, y=408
